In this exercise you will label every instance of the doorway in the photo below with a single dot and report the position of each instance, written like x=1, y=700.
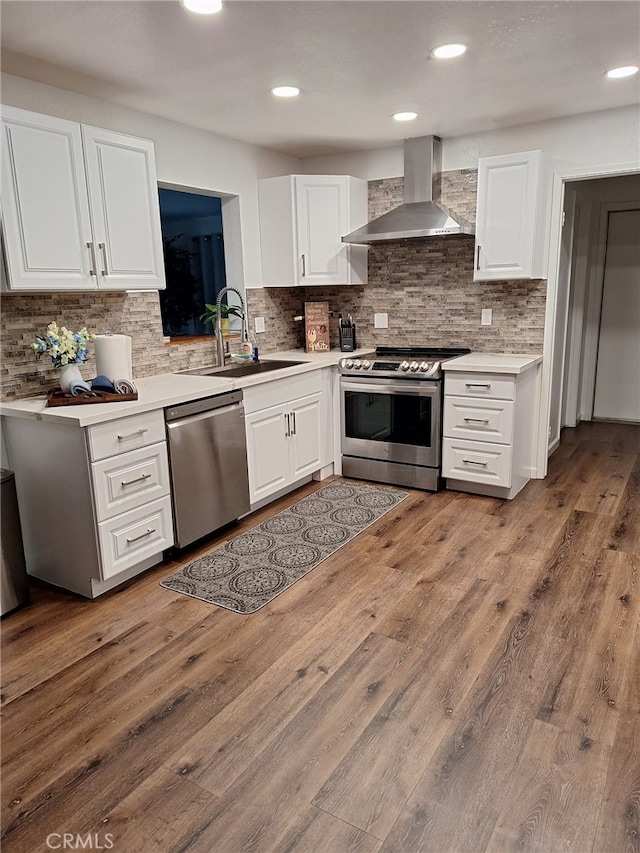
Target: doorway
x=617, y=385
x=581, y=288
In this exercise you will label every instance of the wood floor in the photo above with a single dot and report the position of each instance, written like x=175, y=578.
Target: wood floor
x=462, y=676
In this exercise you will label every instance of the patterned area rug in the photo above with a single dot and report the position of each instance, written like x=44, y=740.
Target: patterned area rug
x=247, y=572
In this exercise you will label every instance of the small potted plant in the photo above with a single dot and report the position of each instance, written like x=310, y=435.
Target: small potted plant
x=226, y=311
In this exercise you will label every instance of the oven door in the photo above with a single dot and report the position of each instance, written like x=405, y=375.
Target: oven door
x=392, y=420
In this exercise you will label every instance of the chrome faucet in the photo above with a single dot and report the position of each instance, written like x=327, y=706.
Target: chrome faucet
x=217, y=328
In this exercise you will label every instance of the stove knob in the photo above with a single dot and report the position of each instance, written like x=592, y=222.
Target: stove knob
x=424, y=366
x=404, y=365
x=349, y=363
x=413, y=366
x=343, y=363
x=366, y=364
x=357, y=364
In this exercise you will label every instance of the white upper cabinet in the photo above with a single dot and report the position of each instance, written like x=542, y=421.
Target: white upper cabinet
x=511, y=217
x=80, y=207
x=302, y=221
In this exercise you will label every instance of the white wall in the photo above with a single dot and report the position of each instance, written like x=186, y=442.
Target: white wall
x=608, y=137
x=185, y=156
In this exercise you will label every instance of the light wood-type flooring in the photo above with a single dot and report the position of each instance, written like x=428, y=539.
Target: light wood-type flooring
x=462, y=676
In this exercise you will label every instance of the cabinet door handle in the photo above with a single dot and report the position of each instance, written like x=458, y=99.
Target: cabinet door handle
x=103, y=247
x=473, y=462
x=93, y=267
x=476, y=420
x=137, y=480
x=293, y=420
x=148, y=532
x=288, y=429
x=132, y=434
x=478, y=256
x=477, y=384
x=304, y=267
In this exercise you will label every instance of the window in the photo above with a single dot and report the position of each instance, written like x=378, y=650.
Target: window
x=194, y=260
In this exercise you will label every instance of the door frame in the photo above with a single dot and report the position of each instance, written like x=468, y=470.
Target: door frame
x=560, y=177
x=594, y=307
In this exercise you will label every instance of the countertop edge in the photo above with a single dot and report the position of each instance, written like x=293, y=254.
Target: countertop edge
x=160, y=392
x=480, y=362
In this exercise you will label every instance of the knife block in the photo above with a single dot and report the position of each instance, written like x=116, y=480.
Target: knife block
x=347, y=338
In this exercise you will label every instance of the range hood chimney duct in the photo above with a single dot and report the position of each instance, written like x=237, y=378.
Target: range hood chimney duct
x=420, y=215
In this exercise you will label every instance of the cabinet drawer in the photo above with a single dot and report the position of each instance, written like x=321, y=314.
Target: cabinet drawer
x=129, y=480
x=134, y=536
x=476, y=462
x=491, y=385
x=125, y=434
x=478, y=419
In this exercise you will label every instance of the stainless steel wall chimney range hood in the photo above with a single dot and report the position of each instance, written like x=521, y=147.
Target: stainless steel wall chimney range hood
x=420, y=215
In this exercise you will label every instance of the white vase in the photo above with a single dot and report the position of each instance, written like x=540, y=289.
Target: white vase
x=68, y=374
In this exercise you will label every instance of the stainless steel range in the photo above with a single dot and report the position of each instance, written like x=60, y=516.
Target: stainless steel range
x=391, y=415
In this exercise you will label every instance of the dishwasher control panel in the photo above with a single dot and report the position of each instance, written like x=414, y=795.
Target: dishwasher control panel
x=205, y=404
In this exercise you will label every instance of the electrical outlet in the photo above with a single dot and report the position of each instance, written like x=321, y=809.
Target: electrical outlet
x=259, y=324
x=380, y=321
x=486, y=316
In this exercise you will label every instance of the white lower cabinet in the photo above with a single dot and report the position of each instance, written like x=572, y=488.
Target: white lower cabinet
x=95, y=505
x=488, y=432
x=285, y=423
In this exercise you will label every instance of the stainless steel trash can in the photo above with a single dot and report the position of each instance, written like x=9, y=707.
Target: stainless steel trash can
x=14, y=584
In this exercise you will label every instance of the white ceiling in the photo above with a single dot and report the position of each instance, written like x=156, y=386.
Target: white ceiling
x=357, y=62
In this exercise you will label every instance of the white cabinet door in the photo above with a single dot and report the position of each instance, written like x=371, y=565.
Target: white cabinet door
x=302, y=221
x=305, y=444
x=509, y=218
x=46, y=223
x=123, y=194
x=283, y=445
x=267, y=451
x=80, y=207
x=322, y=219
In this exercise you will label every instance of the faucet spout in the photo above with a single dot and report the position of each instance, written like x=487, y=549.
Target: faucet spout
x=217, y=328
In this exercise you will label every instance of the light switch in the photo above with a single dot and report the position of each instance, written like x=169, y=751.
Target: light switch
x=259, y=324
x=486, y=316
x=381, y=321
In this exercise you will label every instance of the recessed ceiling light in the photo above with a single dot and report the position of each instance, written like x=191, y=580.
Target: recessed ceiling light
x=405, y=116
x=622, y=71
x=203, y=7
x=285, y=91
x=448, y=51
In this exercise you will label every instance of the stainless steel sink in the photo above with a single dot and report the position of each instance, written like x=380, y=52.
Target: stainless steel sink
x=251, y=368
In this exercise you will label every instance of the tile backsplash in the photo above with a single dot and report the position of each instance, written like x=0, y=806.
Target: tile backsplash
x=425, y=286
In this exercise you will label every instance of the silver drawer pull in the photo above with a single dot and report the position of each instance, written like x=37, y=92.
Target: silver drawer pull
x=473, y=462
x=137, y=480
x=476, y=420
x=132, y=434
x=478, y=384
x=142, y=535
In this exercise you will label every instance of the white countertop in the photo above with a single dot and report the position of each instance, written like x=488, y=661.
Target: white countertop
x=167, y=389
x=492, y=362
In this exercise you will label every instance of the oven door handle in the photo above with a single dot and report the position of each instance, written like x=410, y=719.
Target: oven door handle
x=390, y=386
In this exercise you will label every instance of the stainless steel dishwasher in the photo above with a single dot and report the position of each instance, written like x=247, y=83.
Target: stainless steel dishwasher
x=208, y=461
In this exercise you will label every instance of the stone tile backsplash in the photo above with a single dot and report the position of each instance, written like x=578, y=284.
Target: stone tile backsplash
x=425, y=286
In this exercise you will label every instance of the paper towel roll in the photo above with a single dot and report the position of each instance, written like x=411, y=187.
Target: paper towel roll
x=113, y=356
